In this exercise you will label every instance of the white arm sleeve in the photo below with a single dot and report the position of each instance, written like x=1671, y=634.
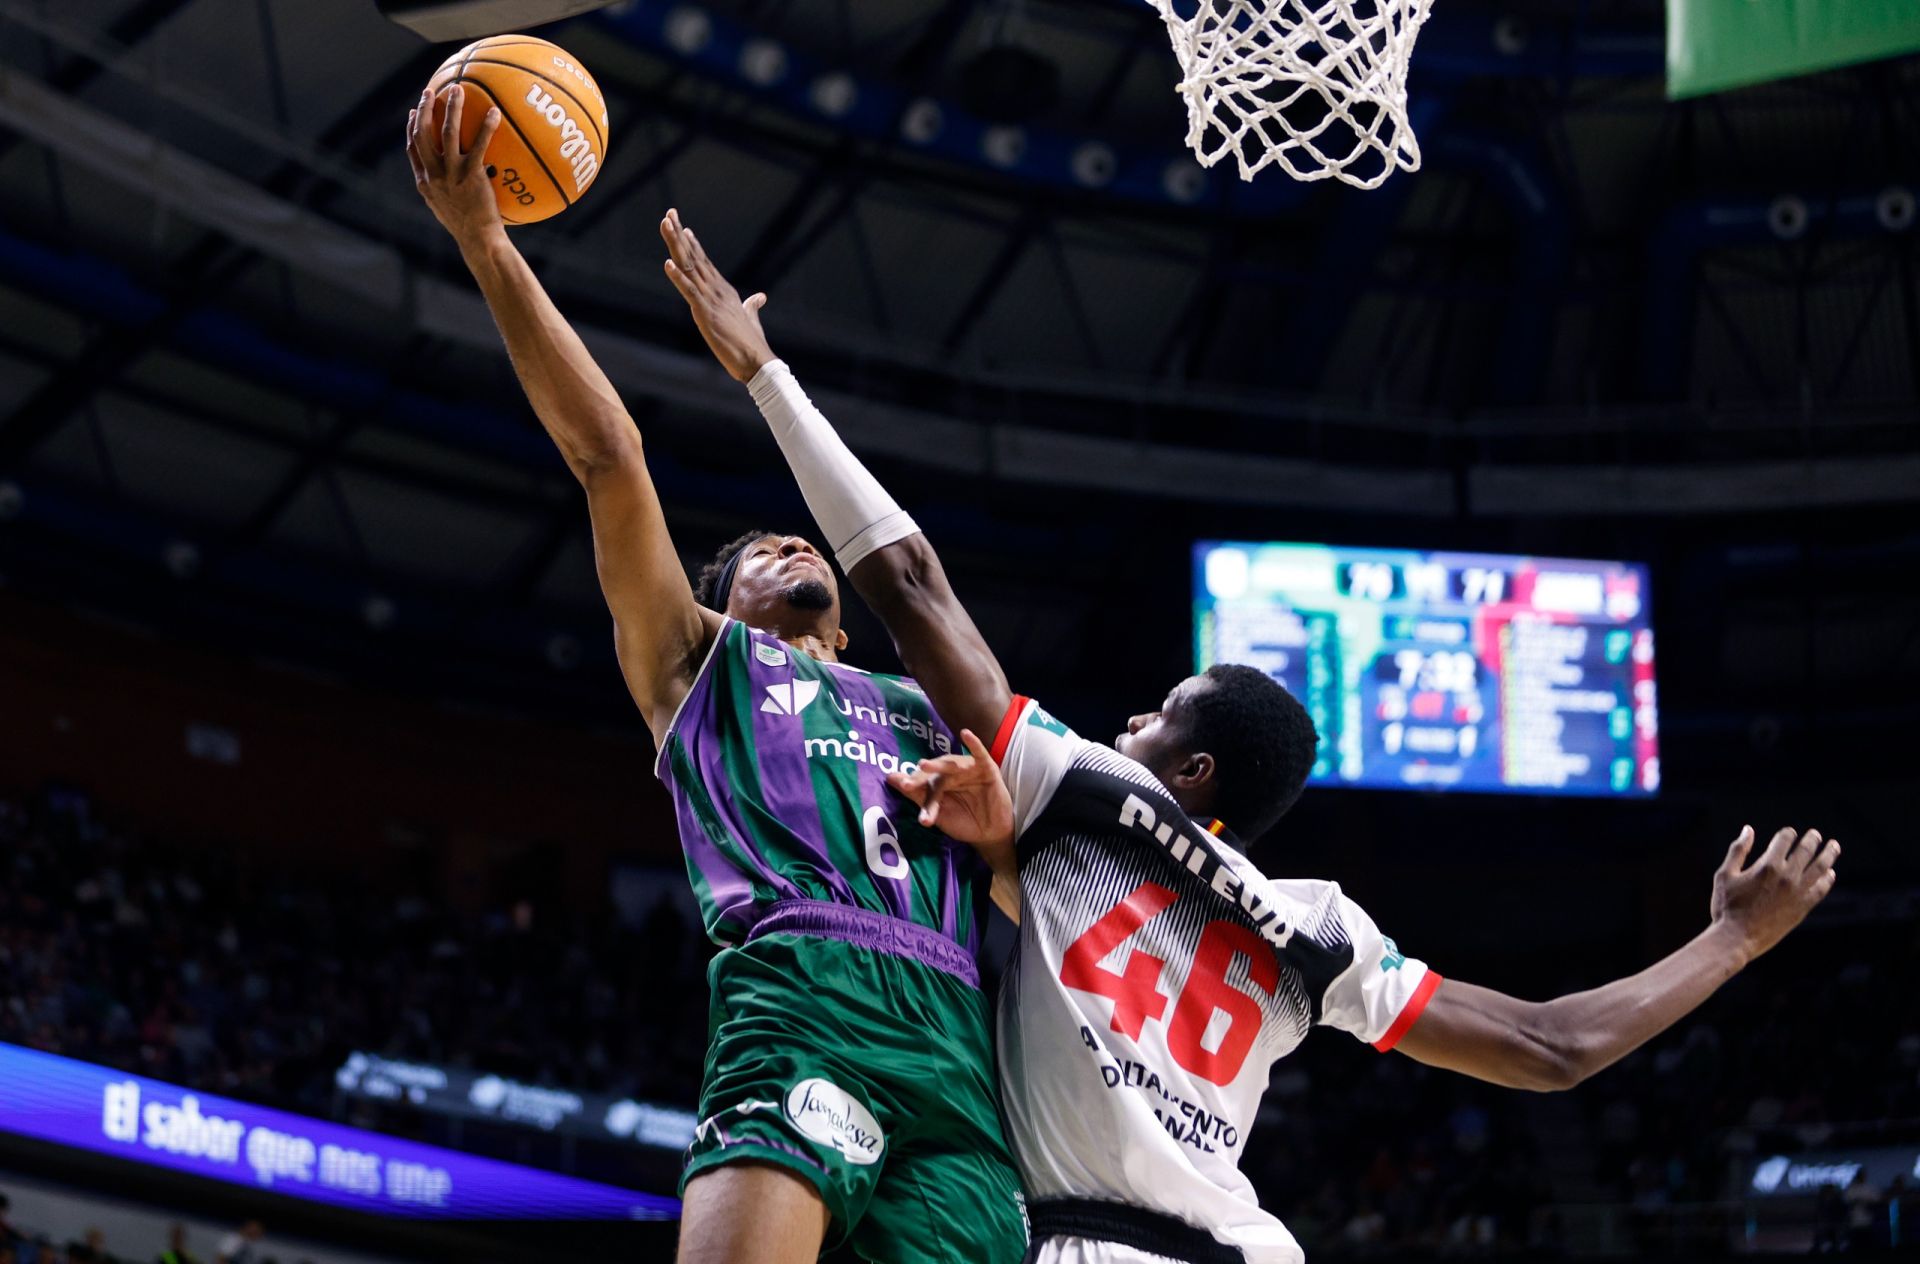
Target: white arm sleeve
x=853, y=511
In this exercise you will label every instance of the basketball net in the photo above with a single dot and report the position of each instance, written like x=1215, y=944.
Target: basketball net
x=1318, y=87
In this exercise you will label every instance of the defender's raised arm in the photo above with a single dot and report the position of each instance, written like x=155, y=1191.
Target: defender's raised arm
x=660, y=633
x=883, y=552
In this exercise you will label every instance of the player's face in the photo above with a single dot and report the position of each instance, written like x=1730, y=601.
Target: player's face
x=1157, y=739
x=779, y=578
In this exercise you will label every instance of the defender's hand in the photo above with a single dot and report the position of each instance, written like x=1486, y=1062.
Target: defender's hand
x=730, y=326
x=962, y=796
x=451, y=180
x=1763, y=901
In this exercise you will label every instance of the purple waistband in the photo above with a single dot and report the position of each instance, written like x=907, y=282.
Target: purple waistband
x=868, y=929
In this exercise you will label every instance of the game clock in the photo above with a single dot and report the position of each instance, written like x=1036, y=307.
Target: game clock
x=1461, y=671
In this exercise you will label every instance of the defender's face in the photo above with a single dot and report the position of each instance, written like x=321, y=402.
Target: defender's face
x=779, y=577
x=1158, y=739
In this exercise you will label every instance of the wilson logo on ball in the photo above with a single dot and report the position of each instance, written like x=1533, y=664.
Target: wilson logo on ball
x=575, y=147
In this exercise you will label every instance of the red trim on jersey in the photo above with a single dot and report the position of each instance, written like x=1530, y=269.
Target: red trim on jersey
x=1003, y=736
x=1416, y=1006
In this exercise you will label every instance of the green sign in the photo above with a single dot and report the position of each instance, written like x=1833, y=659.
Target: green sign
x=1713, y=45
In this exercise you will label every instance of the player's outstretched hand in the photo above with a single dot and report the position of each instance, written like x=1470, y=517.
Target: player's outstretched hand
x=453, y=180
x=730, y=326
x=962, y=796
x=1766, y=899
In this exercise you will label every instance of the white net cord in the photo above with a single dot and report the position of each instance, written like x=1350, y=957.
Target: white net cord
x=1318, y=87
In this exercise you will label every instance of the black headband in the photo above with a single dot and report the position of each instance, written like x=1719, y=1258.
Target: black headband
x=723, y=587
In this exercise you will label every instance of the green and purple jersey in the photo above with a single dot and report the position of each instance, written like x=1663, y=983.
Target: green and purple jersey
x=777, y=764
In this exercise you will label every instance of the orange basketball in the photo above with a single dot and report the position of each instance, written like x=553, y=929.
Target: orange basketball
x=553, y=131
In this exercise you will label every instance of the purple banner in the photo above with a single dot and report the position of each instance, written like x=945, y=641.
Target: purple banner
x=149, y=1121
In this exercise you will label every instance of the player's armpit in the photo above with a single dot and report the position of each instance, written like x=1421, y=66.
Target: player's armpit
x=660, y=632
x=1490, y=1036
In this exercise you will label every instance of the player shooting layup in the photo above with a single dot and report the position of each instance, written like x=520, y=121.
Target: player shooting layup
x=1158, y=974
x=849, y=1093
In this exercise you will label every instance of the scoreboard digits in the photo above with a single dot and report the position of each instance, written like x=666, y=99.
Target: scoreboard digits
x=1446, y=670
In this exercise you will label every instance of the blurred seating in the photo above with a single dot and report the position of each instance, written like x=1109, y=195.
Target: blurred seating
x=253, y=976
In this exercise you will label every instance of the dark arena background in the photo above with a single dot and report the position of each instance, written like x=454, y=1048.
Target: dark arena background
x=342, y=918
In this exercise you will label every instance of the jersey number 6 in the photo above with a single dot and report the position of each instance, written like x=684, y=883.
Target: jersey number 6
x=1136, y=994
x=884, y=854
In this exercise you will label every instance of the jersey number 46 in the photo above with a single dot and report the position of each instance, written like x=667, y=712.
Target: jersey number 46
x=1136, y=994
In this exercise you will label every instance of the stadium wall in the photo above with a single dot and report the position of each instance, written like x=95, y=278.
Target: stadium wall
x=232, y=751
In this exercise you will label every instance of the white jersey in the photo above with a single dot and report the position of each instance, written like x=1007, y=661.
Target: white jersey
x=1157, y=978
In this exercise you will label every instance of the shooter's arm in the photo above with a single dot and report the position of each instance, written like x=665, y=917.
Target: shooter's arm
x=1557, y=1044
x=660, y=632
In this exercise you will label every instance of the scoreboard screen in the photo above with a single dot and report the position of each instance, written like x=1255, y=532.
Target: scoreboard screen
x=1465, y=671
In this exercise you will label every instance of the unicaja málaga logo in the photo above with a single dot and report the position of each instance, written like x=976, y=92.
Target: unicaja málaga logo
x=882, y=717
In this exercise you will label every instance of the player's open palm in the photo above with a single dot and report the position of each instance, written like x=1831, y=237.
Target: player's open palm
x=451, y=178
x=1766, y=899
x=962, y=796
x=730, y=324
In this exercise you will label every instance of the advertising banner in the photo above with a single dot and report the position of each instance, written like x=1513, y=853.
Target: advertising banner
x=477, y=1095
x=148, y=1121
x=1785, y=1176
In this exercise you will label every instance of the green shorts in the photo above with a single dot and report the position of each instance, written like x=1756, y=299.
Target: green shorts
x=871, y=1075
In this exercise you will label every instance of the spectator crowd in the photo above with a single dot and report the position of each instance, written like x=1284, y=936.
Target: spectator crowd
x=20, y=1244
x=253, y=976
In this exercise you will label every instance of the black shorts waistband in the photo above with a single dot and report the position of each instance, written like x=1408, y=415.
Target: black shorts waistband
x=1126, y=1225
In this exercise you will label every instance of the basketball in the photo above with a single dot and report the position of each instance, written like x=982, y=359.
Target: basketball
x=553, y=133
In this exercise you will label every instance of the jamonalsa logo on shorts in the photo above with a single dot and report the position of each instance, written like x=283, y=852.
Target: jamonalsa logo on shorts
x=828, y=1113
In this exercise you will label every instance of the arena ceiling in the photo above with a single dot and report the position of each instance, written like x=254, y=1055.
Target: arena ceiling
x=235, y=353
